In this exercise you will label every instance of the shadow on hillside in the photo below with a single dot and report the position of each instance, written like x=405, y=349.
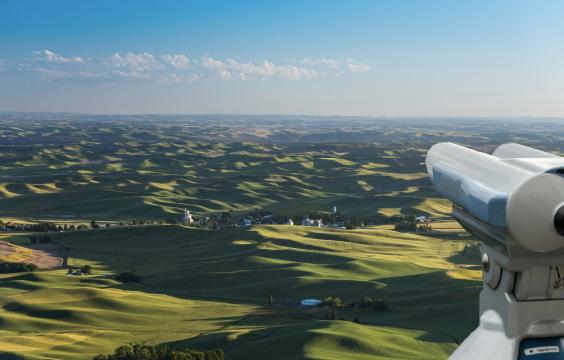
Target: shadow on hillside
x=292, y=341
x=432, y=302
x=297, y=245
x=10, y=356
x=345, y=239
x=278, y=342
x=216, y=264
x=198, y=264
x=97, y=201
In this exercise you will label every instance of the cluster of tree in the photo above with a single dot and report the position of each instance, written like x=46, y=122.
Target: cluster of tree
x=14, y=267
x=396, y=218
x=172, y=221
x=373, y=304
x=53, y=227
x=406, y=225
x=41, y=227
x=217, y=221
x=84, y=270
x=262, y=217
x=141, y=222
x=95, y=225
x=127, y=277
x=352, y=222
x=471, y=251
x=159, y=352
x=225, y=217
x=333, y=302
x=410, y=223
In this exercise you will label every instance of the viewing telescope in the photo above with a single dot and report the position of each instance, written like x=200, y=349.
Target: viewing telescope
x=512, y=200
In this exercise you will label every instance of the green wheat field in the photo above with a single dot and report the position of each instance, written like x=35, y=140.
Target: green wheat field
x=238, y=288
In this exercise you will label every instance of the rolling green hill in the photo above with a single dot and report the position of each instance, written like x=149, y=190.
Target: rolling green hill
x=124, y=168
x=206, y=289
x=126, y=180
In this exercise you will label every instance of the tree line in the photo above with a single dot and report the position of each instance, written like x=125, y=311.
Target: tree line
x=136, y=351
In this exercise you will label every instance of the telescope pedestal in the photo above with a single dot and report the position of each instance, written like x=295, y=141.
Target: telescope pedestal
x=488, y=341
x=513, y=201
x=515, y=330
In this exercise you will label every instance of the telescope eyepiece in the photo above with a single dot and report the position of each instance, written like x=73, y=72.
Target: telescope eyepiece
x=559, y=221
x=485, y=263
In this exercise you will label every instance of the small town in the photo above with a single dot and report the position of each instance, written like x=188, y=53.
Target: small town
x=332, y=220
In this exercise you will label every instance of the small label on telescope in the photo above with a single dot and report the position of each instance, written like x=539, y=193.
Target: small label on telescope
x=542, y=350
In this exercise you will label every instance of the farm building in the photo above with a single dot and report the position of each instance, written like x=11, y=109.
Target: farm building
x=187, y=217
x=309, y=222
x=311, y=302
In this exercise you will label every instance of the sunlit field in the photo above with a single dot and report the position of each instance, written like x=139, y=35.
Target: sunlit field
x=236, y=288
x=208, y=289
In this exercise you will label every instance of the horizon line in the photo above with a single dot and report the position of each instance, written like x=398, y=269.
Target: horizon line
x=291, y=115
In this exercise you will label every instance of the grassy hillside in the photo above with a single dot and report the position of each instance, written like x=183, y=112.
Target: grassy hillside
x=206, y=289
x=126, y=179
x=153, y=167
x=53, y=316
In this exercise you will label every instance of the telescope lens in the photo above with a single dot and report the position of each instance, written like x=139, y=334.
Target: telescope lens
x=485, y=262
x=559, y=221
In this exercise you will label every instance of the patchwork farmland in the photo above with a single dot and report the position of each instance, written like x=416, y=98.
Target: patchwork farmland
x=112, y=190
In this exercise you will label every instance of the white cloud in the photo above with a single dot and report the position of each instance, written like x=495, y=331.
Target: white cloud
x=3, y=64
x=51, y=57
x=132, y=63
x=216, y=65
x=262, y=70
x=209, y=62
x=172, y=68
x=356, y=66
x=178, y=61
x=290, y=72
x=245, y=70
x=350, y=64
x=330, y=63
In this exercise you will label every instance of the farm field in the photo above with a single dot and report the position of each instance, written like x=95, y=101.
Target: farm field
x=123, y=168
x=207, y=288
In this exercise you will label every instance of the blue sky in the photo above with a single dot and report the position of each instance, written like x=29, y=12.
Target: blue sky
x=326, y=57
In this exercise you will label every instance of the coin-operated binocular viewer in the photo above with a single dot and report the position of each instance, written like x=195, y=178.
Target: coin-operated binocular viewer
x=513, y=201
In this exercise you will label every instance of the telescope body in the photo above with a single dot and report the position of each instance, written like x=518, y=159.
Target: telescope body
x=517, y=190
x=512, y=200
